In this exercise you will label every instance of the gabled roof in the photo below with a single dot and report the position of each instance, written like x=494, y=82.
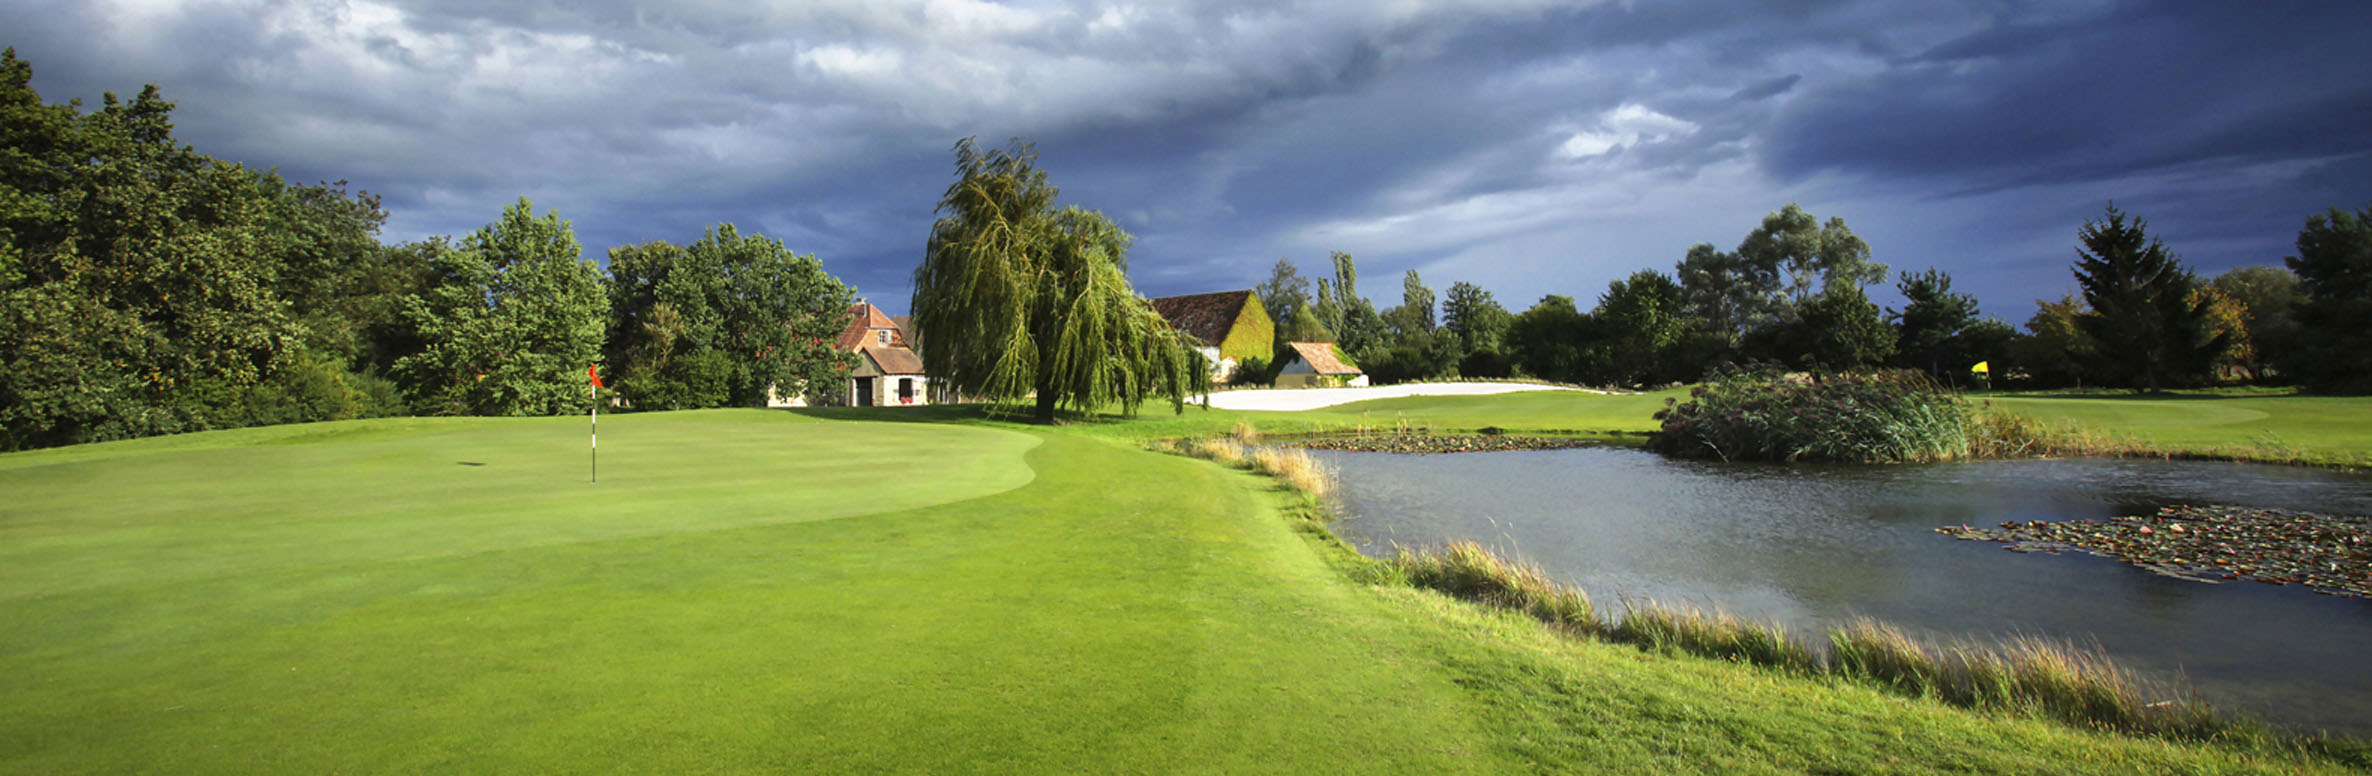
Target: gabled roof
x=893, y=360
x=1205, y=317
x=863, y=319
x=1322, y=359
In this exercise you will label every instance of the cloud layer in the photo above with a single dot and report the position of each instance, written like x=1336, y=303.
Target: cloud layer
x=1532, y=146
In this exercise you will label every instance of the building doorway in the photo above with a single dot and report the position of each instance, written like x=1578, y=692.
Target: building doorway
x=863, y=394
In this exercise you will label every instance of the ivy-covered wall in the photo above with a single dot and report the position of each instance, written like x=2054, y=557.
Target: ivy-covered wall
x=1254, y=334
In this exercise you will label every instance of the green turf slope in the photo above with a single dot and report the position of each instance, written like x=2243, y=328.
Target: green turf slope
x=310, y=603
x=326, y=606
x=2334, y=430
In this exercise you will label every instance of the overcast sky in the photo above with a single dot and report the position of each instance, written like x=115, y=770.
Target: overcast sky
x=1529, y=146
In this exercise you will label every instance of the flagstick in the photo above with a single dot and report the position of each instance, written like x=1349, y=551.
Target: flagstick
x=593, y=433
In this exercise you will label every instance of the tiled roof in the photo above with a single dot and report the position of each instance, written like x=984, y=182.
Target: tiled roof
x=1205, y=317
x=1321, y=358
x=863, y=319
x=893, y=360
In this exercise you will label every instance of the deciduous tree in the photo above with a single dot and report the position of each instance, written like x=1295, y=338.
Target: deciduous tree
x=2270, y=297
x=1469, y=312
x=722, y=321
x=1015, y=297
x=510, y=322
x=1642, y=323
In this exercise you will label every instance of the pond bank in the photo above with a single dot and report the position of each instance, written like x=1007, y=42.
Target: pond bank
x=1813, y=547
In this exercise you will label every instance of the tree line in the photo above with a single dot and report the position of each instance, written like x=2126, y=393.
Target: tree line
x=1793, y=294
x=146, y=288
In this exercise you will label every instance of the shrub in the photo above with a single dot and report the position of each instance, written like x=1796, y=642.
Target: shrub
x=1877, y=417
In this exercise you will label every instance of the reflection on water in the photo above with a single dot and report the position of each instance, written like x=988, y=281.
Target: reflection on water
x=1813, y=546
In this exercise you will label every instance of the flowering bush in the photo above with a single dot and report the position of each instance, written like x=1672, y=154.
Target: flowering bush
x=1881, y=417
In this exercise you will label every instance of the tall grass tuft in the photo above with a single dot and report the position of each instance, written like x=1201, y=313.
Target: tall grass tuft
x=2021, y=675
x=1468, y=570
x=2025, y=674
x=1296, y=468
x=1219, y=450
x=1873, y=651
x=1244, y=433
x=1715, y=634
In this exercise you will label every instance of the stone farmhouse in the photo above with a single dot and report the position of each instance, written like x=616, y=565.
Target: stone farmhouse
x=888, y=372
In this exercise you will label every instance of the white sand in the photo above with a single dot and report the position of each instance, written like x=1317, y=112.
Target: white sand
x=1288, y=399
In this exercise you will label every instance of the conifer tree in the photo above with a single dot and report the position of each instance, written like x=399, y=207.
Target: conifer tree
x=2151, y=331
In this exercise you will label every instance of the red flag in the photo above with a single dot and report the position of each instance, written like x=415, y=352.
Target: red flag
x=593, y=373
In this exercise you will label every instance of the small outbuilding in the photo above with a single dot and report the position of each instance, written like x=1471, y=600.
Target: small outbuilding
x=1319, y=365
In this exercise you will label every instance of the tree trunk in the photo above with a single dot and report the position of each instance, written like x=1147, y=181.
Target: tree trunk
x=1045, y=415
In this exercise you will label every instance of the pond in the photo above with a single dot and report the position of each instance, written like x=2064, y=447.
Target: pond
x=1815, y=546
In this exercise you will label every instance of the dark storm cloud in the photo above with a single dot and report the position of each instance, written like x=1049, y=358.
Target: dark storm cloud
x=1535, y=146
x=2128, y=90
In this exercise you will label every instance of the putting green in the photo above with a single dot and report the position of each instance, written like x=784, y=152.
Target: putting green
x=363, y=491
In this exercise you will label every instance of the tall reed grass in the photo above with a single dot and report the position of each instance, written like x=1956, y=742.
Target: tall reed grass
x=1294, y=468
x=2021, y=675
x=1471, y=571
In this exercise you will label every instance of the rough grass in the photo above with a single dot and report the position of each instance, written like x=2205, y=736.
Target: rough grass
x=1468, y=570
x=2024, y=675
x=1292, y=467
x=1715, y=634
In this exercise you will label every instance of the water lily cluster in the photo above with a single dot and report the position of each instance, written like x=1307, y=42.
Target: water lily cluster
x=2329, y=554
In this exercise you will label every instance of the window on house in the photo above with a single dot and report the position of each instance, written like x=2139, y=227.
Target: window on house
x=881, y=336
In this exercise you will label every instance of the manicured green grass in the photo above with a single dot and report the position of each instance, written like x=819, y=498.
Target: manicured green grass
x=2330, y=430
x=765, y=591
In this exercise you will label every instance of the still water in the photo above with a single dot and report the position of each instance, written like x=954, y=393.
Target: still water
x=1814, y=546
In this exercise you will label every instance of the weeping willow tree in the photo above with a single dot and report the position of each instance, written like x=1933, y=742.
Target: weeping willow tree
x=1018, y=297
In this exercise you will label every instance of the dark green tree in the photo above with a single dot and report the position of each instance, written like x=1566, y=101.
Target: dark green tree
x=1479, y=322
x=2055, y=350
x=1731, y=295
x=1015, y=296
x=2150, y=330
x=508, y=325
x=1643, y=323
x=722, y=322
x=1838, y=331
x=1927, y=329
x=2334, y=266
x=1285, y=291
x=1548, y=340
x=1359, y=327
x=148, y=288
x=1813, y=258
x=1415, y=313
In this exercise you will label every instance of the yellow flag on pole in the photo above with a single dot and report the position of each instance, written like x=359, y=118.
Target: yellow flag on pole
x=1981, y=368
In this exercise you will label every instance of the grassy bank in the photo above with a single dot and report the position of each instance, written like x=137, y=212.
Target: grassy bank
x=749, y=591
x=2334, y=431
